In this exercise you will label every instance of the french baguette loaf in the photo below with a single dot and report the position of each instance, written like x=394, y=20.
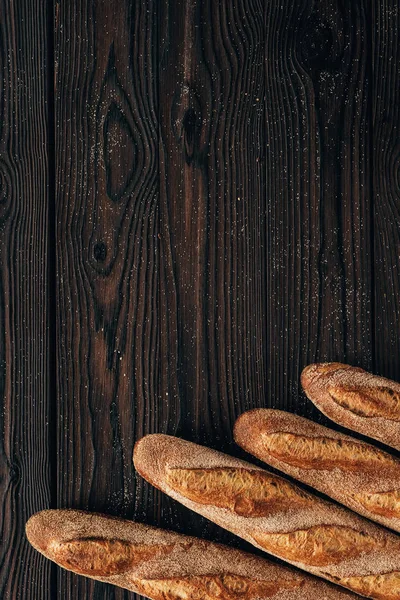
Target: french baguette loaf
x=356, y=399
x=364, y=478
x=275, y=515
x=162, y=565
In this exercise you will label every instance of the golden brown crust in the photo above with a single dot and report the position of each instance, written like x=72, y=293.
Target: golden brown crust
x=385, y=586
x=102, y=557
x=164, y=565
x=318, y=546
x=215, y=587
x=242, y=491
x=364, y=478
x=356, y=399
x=381, y=401
x=386, y=504
x=325, y=453
x=322, y=538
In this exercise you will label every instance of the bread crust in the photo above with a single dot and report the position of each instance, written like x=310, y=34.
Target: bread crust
x=356, y=474
x=355, y=399
x=322, y=530
x=163, y=565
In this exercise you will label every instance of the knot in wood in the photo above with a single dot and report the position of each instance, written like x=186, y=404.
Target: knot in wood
x=319, y=45
x=187, y=122
x=100, y=251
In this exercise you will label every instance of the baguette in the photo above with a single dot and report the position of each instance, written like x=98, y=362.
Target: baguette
x=356, y=399
x=162, y=565
x=275, y=515
x=364, y=478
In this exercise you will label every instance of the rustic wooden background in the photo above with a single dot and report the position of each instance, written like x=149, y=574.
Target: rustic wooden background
x=197, y=198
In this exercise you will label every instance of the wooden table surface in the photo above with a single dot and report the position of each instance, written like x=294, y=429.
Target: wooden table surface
x=197, y=199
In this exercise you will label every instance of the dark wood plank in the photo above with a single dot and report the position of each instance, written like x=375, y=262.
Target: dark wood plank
x=107, y=234
x=213, y=210
x=386, y=161
x=25, y=426
x=318, y=186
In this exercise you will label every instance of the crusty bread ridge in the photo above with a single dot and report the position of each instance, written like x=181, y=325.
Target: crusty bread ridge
x=357, y=474
x=356, y=399
x=163, y=565
x=312, y=534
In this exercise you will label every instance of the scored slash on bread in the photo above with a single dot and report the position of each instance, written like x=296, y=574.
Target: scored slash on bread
x=310, y=533
x=162, y=565
x=355, y=399
x=267, y=493
x=364, y=478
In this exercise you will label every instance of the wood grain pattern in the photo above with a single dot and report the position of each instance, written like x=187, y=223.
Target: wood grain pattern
x=107, y=264
x=318, y=227
x=25, y=485
x=385, y=177
x=213, y=206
